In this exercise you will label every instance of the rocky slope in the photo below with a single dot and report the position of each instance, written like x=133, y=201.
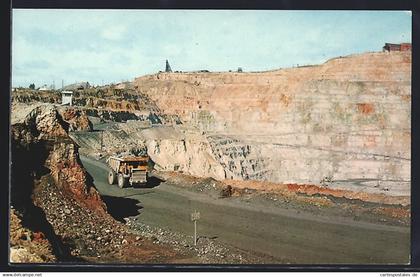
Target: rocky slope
x=28, y=246
x=60, y=210
x=106, y=97
x=43, y=133
x=347, y=120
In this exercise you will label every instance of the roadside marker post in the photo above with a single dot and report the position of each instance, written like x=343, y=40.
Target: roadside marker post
x=102, y=140
x=194, y=217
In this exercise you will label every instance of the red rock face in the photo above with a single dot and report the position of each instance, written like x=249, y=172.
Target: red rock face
x=366, y=108
x=70, y=176
x=51, y=186
x=45, y=131
x=45, y=123
x=77, y=120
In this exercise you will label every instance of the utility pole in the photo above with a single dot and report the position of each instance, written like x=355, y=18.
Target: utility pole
x=62, y=83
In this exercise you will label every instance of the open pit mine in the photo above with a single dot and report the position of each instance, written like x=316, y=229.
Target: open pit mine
x=299, y=165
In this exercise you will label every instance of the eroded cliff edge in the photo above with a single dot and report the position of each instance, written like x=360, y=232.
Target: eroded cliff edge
x=57, y=215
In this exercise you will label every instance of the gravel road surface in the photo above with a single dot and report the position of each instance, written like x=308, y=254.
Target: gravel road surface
x=284, y=235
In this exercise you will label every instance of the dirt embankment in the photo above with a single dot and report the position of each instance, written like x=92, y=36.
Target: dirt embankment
x=316, y=200
x=55, y=199
x=309, y=189
x=107, y=97
x=396, y=208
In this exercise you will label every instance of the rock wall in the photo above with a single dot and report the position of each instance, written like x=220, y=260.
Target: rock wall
x=240, y=161
x=77, y=119
x=123, y=116
x=106, y=98
x=43, y=155
x=348, y=119
x=172, y=150
x=63, y=216
x=41, y=145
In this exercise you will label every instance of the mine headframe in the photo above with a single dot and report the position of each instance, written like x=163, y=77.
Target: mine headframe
x=168, y=67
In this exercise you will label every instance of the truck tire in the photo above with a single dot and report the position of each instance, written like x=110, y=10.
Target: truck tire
x=112, y=177
x=121, y=181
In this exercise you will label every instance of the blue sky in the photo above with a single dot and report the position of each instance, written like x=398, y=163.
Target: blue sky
x=116, y=45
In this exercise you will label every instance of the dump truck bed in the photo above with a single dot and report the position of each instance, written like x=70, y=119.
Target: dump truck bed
x=130, y=159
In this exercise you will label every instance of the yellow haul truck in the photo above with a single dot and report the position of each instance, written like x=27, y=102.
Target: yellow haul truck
x=132, y=170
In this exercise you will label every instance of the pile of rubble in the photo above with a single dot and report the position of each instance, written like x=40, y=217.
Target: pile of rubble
x=28, y=246
x=93, y=236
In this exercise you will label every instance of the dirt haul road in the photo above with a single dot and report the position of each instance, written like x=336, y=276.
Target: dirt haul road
x=286, y=235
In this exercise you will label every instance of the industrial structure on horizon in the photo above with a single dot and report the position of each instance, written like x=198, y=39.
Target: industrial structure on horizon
x=168, y=67
x=397, y=47
x=67, y=97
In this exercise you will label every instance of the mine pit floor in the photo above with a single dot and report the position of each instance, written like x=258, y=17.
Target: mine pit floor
x=249, y=228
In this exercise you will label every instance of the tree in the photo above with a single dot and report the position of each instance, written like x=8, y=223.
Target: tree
x=32, y=86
